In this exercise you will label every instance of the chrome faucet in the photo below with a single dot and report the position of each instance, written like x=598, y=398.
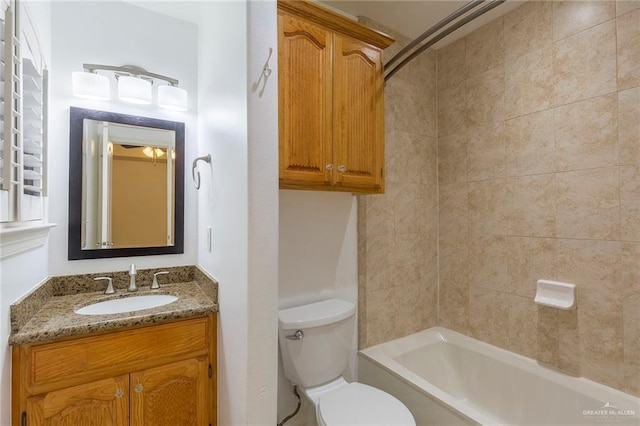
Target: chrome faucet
x=155, y=284
x=109, y=289
x=132, y=278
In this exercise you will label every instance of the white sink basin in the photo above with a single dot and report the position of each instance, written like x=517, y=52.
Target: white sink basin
x=127, y=304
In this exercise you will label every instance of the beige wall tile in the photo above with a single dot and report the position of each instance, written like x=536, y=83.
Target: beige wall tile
x=629, y=126
x=429, y=213
x=485, y=48
x=588, y=204
x=548, y=336
x=407, y=158
x=631, y=280
x=486, y=152
x=454, y=264
x=533, y=205
x=570, y=352
x=487, y=266
x=529, y=260
x=530, y=144
x=454, y=306
x=406, y=200
x=485, y=98
x=451, y=64
x=453, y=207
x=522, y=325
x=529, y=83
x=411, y=109
x=628, y=32
x=488, y=207
x=624, y=6
x=570, y=17
x=378, y=214
x=595, y=268
x=632, y=356
x=528, y=28
x=406, y=257
x=586, y=133
x=488, y=315
x=451, y=110
x=585, y=64
x=452, y=159
x=630, y=202
x=428, y=149
x=377, y=262
x=601, y=350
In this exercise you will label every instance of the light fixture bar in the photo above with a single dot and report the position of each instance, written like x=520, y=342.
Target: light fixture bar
x=131, y=70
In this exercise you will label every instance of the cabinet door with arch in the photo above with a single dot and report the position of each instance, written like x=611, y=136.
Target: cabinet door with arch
x=358, y=115
x=305, y=97
x=100, y=403
x=172, y=394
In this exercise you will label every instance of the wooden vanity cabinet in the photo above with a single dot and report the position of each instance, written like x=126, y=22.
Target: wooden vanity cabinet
x=155, y=375
x=331, y=111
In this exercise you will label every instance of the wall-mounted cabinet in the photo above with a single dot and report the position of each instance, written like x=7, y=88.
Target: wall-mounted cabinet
x=331, y=110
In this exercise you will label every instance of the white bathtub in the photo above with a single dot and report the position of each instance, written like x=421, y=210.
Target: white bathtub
x=448, y=378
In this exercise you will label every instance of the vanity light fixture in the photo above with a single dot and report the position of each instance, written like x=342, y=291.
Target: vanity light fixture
x=134, y=85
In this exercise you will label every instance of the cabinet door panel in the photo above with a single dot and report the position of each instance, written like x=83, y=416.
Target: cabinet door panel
x=101, y=403
x=358, y=115
x=304, y=67
x=169, y=395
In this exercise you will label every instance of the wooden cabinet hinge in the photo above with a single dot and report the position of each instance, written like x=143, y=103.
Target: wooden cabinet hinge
x=23, y=419
x=381, y=172
x=210, y=371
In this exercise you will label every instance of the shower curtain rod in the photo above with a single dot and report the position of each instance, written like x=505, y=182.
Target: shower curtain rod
x=417, y=49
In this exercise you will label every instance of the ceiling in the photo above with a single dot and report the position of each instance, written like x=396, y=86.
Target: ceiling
x=408, y=17
x=412, y=18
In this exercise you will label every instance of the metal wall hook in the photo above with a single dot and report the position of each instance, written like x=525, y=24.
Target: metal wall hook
x=196, y=174
x=264, y=75
x=266, y=71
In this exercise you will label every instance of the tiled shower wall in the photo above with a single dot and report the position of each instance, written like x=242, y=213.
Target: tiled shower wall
x=397, y=231
x=539, y=177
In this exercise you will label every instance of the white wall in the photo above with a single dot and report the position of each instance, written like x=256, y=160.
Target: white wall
x=238, y=200
x=116, y=33
x=318, y=260
x=21, y=272
x=263, y=214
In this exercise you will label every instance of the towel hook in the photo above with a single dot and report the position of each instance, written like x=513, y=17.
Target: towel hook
x=266, y=71
x=196, y=174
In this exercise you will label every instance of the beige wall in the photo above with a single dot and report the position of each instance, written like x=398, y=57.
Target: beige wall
x=539, y=177
x=397, y=231
x=139, y=202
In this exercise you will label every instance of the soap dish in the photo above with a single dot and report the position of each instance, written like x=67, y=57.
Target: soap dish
x=556, y=294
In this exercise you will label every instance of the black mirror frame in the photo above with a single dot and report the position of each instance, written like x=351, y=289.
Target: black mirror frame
x=77, y=116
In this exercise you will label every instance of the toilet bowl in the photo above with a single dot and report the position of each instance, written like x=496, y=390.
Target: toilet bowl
x=315, y=342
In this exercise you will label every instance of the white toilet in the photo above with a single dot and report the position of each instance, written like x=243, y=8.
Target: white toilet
x=315, y=342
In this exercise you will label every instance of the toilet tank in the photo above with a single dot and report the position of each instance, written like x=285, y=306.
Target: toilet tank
x=322, y=353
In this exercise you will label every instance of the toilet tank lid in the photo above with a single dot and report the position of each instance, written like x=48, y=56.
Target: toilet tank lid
x=315, y=314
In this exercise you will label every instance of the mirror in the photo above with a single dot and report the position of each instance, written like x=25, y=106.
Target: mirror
x=126, y=185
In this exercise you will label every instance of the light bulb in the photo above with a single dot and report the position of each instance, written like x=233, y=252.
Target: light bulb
x=134, y=90
x=90, y=85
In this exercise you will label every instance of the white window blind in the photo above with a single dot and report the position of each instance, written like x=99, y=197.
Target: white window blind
x=24, y=95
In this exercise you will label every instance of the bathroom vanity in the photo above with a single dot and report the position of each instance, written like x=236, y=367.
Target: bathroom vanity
x=154, y=367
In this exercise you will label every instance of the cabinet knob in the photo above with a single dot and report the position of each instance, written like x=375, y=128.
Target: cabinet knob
x=138, y=388
x=119, y=393
x=341, y=168
x=329, y=167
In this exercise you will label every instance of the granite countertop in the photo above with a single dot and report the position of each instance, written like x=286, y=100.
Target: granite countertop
x=48, y=312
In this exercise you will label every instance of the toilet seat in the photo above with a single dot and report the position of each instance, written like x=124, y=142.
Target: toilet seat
x=358, y=404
